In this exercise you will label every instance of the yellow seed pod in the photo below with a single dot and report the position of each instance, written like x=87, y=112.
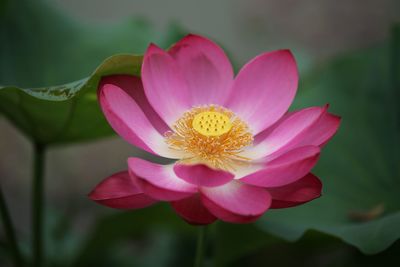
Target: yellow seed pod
x=211, y=123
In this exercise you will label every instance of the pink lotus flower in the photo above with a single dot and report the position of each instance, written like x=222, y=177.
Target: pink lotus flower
x=238, y=151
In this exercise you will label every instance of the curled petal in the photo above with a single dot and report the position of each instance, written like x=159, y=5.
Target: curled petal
x=288, y=134
x=128, y=120
x=159, y=181
x=133, y=86
x=202, y=175
x=285, y=169
x=294, y=194
x=192, y=210
x=321, y=131
x=236, y=202
x=119, y=192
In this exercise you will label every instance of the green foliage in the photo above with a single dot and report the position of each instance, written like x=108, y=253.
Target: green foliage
x=40, y=47
x=360, y=167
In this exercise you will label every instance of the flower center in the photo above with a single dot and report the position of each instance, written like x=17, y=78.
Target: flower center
x=211, y=135
x=211, y=123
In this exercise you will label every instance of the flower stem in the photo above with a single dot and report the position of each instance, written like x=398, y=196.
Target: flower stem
x=37, y=205
x=201, y=244
x=10, y=232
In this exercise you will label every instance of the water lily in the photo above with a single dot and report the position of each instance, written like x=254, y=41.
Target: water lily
x=237, y=150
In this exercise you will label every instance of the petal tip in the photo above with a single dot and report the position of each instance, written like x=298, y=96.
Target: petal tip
x=152, y=49
x=119, y=192
x=195, y=36
x=284, y=53
x=192, y=35
x=92, y=195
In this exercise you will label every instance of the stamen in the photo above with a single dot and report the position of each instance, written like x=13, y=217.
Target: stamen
x=217, y=144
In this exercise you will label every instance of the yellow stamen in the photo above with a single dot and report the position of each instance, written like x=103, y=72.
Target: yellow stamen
x=211, y=135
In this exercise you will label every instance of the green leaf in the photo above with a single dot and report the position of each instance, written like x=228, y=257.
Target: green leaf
x=66, y=113
x=39, y=47
x=360, y=168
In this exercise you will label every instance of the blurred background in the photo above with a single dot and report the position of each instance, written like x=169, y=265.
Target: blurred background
x=322, y=34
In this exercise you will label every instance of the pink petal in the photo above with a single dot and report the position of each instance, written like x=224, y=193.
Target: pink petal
x=299, y=192
x=322, y=131
x=285, y=169
x=236, y=202
x=287, y=134
x=133, y=86
x=318, y=134
x=264, y=134
x=159, y=181
x=127, y=118
x=202, y=175
x=206, y=68
x=119, y=192
x=164, y=84
x=264, y=89
x=192, y=210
